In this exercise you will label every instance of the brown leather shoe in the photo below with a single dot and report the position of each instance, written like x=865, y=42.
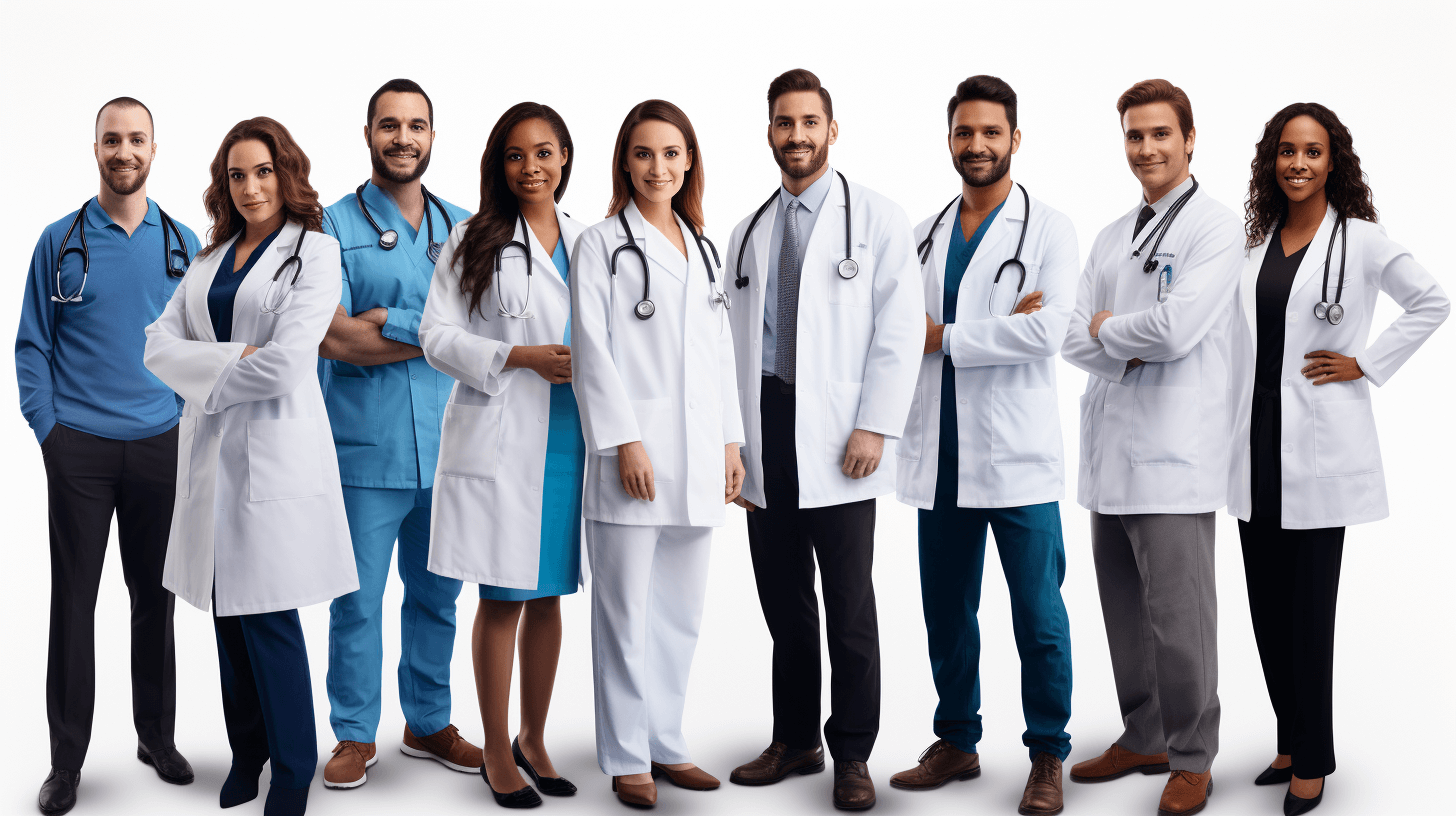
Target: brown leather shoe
x=853, y=789
x=776, y=762
x=1043, y=794
x=345, y=768
x=939, y=764
x=638, y=796
x=693, y=778
x=1118, y=761
x=1185, y=793
x=446, y=747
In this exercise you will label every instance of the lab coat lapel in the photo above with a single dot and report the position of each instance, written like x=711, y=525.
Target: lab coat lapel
x=540, y=255
x=253, y=286
x=939, y=245
x=1312, y=268
x=758, y=264
x=1248, y=285
x=199, y=322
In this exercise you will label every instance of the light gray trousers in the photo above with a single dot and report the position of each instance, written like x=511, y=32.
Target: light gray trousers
x=1155, y=574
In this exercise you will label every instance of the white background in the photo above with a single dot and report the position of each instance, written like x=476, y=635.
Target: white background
x=891, y=66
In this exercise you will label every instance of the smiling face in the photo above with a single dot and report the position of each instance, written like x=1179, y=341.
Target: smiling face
x=1157, y=152
x=1302, y=165
x=800, y=134
x=124, y=148
x=658, y=160
x=400, y=137
x=253, y=182
x=533, y=161
x=982, y=142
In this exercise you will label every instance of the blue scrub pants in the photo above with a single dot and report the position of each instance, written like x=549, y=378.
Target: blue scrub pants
x=267, y=698
x=952, y=559
x=377, y=517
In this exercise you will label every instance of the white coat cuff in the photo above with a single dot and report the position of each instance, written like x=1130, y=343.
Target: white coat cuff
x=491, y=377
x=1373, y=374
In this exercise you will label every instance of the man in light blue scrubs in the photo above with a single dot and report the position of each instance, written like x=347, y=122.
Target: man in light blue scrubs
x=386, y=404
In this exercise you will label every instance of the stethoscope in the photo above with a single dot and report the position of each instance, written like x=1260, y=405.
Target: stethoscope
x=645, y=308
x=525, y=312
x=1165, y=278
x=274, y=305
x=1325, y=310
x=388, y=239
x=848, y=267
x=927, y=246
x=169, y=253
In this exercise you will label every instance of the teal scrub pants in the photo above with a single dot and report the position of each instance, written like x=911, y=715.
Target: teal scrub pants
x=377, y=517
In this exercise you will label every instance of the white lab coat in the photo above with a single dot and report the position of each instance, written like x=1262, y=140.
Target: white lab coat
x=1009, y=440
x=1156, y=439
x=859, y=343
x=258, y=525
x=667, y=381
x=1330, y=463
x=485, y=523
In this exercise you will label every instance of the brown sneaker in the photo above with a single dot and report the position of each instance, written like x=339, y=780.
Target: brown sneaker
x=939, y=764
x=1185, y=793
x=1043, y=794
x=345, y=768
x=1118, y=761
x=776, y=762
x=446, y=747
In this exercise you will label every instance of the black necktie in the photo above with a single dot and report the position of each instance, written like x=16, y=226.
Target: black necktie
x=1143, y=218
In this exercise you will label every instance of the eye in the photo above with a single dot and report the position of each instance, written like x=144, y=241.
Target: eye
x=1314, y=153
x=417, y=127
x=235, y=176
x=513, y=156
x=264, y=171
x=671, y=154
x=543, y=154
x=643, y=154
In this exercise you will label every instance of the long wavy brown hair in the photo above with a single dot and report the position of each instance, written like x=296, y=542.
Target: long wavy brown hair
x=494, y=224
x=688, y=202
x=300, y=200
x=1345, y=189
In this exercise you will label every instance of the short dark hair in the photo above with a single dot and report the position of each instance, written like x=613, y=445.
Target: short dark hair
x=126, y=102
x=798, y=79
x=983, y=86
x=1158, y=90
x=399, y=86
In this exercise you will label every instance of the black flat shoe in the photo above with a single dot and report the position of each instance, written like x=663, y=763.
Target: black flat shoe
x=1275, y=776
x=169, y=764
x=549, y=785
x=58, y=792
x=1294, y=805
x=524, y=798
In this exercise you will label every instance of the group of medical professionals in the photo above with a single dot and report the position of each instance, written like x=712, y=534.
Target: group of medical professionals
x=270, y=413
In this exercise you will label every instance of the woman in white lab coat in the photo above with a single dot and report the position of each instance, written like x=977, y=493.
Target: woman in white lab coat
x=652, y=366
x=258, y=528
x=507, y=506
x=1317, y=262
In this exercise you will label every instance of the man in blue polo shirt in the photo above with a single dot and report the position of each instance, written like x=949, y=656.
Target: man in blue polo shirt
x=107, y=428
x=386, y=404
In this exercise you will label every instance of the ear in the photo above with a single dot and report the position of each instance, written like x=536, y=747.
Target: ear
x=1192, y=136
x=690, y=160
x=565, y=156
x=1015, y=141
x=833, y=131
x=366, y=136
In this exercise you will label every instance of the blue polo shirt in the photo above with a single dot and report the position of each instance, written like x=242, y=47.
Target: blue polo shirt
x=80, y=363
x=386, y=418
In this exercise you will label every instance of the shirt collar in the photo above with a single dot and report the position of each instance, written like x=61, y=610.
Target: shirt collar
x=97, y=218
x=381, y=204
x=813, y=198
x=1167, y=200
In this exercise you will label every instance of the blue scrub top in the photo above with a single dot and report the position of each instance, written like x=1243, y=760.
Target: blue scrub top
x=80, y=364
x=386, y=418
x=225, y=283
x=563, y=266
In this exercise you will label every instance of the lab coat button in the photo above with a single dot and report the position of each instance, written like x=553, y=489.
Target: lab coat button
x=693, y=405
x=414, y=376
x=217, y=432
x=1287, y=382
x=964, y=401
x=540, y=419
x=1288, y=448
x=1293, y=318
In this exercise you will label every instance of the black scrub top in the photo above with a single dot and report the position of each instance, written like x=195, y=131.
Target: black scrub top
x=1271, y=300
x=225, y=283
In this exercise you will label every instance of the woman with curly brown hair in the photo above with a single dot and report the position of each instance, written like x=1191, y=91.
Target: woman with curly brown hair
x=258, y=529
x=1317, y=260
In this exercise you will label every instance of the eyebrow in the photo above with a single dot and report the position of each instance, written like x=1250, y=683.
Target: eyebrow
x=784, y=117
x=114, y=133
x=538, y=144
x=1307, y=144
x=648, y=149
x=387, y=120
x=255, y=167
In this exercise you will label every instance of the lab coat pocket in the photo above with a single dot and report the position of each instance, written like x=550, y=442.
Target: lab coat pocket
x=841, y=411
x=284, y=459
x=353, y=406
x=471, y=435
x=1344, y=438
x=1165, y=426
x=186, y=432
x=1024, y=427
x=855, y=291
x=656, y=427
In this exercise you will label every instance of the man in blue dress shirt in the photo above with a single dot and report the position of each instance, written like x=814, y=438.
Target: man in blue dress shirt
x=107, y=428
x=385, y=405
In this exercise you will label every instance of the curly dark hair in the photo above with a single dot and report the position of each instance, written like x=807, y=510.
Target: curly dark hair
x=1345, y=190
x=300, y=200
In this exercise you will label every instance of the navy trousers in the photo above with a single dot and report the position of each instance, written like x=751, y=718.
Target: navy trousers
x=267, y=698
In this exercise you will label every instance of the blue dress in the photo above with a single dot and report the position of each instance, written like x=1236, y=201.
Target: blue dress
x=560, y=565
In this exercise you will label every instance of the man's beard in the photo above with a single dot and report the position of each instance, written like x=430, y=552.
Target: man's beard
x=816, y=160
x=124, y=185
x=383, y=169
x=983, y=178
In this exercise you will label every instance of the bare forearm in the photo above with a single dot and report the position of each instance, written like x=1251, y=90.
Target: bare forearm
x=359, y=342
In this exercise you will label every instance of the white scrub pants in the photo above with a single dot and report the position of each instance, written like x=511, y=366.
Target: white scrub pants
x=647, y=602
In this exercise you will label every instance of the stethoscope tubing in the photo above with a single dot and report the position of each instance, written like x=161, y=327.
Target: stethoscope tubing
x=169, y=230
x=848, y=263
x=927, y=247
x=645, y=307
x=389, y=239
x=525, y=312
x=1333, y=313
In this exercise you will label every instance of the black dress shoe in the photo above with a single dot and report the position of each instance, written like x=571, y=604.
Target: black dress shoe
x=1275, y=776
x=1294, y=805
x=524, y=798
x=58, y=792
x=170, y=765
x=549, y=785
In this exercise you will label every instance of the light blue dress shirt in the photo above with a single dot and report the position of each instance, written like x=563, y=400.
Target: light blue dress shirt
x=810, y=203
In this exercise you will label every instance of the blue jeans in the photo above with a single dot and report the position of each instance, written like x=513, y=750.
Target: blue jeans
x=377, y=517
x=952, y=559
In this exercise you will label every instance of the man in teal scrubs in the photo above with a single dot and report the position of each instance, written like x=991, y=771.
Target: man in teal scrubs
x=385, y=405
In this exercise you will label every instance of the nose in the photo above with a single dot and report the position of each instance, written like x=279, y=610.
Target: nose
x=250, y=184
x=658, y=167
x=1298, y=164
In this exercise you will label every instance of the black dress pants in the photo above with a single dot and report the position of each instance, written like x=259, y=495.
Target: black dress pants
x=784, y=542
x=88, y=478
x=1293, y=578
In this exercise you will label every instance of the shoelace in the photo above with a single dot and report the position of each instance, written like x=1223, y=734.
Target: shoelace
x=1043, y=772
x=936, y=747
x=1186, y=776
x=348, y=744
x=853, y=769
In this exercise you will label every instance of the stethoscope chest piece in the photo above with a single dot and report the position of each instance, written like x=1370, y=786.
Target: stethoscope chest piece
x=848, y=268
x=388, y=239
x=1333, y=312
x=644, y=309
